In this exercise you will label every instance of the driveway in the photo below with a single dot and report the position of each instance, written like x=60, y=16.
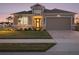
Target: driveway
x=67, y=43
x=65, y=36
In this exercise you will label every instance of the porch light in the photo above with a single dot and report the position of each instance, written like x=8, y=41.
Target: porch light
x=76, y=20
x=58, y=15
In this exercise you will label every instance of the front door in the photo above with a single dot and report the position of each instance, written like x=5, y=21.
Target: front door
x=38, y=23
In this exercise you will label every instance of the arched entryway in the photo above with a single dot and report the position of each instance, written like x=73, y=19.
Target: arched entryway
x=37, y=22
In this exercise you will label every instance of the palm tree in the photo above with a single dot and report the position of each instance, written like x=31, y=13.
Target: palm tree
x=10, y=18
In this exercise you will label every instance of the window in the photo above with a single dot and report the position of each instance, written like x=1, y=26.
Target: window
x=23, y=20
x=37, y=11
x=38, y=23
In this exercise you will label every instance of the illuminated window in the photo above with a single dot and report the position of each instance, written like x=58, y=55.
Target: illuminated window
x=37, y=11
x=37, y=22
x=23, y=20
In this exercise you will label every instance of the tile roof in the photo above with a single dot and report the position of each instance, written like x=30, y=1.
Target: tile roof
x=56, y=11
x=36, y=5
x=46, y=11
x=24, y=12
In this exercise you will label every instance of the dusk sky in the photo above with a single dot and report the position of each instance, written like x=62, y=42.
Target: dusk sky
x=8, y=8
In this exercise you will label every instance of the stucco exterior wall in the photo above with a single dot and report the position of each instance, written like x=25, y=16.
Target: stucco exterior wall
x=50, y=19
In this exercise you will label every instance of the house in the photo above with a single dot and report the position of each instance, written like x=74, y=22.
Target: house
x=5, y=24
x=40, y=18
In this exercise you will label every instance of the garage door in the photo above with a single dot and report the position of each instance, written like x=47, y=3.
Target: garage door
x=58, y=23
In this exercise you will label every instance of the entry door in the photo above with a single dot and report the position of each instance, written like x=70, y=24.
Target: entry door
x=37, y=23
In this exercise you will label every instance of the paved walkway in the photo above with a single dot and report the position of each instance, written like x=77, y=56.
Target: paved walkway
x=27, y=41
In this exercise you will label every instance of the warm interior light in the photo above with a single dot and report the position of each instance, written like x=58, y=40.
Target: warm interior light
x=37, y=17
x=23, y=20
x=76, y=20
x=38, y=23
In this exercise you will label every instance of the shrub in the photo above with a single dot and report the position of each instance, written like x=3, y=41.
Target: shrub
x=44, y=30
x=19, y=29
x=25, y=29
x=29, y=29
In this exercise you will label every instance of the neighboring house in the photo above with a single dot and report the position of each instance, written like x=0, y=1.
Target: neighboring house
x=40, y=18
x=5, y=24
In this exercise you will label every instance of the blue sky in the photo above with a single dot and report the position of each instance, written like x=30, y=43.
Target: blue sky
x=8, y=8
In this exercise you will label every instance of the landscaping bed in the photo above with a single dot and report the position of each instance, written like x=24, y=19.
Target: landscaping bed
x=25, y=47
x=24, y=35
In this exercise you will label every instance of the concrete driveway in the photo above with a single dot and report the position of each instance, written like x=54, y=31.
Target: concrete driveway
x=67, y=43
x=65, y=36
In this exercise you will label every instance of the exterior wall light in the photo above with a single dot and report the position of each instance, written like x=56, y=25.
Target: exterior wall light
x=58, y=15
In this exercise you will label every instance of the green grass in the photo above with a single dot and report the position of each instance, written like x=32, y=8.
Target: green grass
x=22, y=47
x=24, y=35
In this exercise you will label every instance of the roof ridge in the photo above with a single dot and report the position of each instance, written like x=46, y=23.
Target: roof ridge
x=24, y=12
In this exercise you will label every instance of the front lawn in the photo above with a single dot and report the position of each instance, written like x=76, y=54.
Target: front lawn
x=25, y=47
x=24, y=35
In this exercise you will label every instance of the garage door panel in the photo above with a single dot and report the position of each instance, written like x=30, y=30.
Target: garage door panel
x=58, y=23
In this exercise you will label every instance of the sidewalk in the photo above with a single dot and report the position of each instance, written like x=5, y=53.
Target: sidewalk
x=27, y=41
